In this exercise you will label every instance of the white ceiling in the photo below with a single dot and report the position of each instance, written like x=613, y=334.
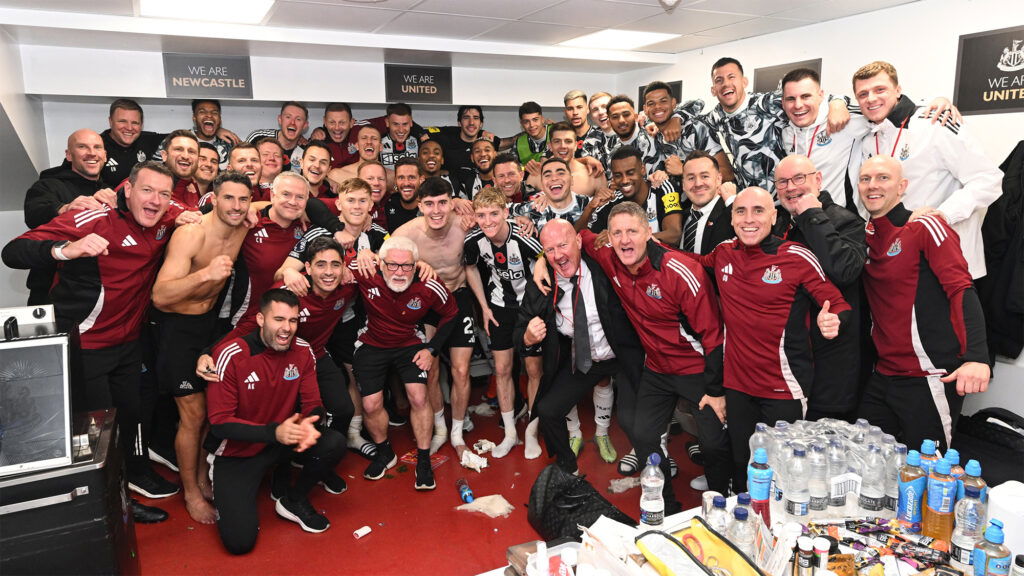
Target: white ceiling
x=484, y=31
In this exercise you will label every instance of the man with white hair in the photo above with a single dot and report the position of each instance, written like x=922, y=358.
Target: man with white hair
x=396, y=302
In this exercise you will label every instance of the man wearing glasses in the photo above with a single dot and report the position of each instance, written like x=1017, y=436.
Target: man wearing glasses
x=396, y=302
x=835, y=236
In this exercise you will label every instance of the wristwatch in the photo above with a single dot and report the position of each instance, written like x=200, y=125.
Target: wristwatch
x=58, y=250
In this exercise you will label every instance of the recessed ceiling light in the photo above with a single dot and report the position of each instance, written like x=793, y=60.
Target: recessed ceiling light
x=233, y=11
x=618, y=39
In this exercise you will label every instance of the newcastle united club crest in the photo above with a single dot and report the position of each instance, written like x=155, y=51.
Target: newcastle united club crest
x=772, y=275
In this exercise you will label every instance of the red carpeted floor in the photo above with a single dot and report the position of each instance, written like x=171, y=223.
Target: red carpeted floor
x=412, y=532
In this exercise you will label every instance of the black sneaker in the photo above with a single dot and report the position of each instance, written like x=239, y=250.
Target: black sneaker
x=279, y=482
x=333, y=483
x=164, y=457
x=151, y=485
x=385, y=459
x=396, y=419
x=302, y=513
x=424, y=476
x=147, y=514
x=696, y=456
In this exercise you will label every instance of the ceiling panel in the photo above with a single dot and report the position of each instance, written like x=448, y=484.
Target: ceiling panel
x=685, y=21
x=438, y=25
x=511, y=10
x=682, y=44
x=118, y=7
x=532, y=33
x=758, y=7
x=755, y=27
x=593, y=13
x=390, y=4
x=316, y=15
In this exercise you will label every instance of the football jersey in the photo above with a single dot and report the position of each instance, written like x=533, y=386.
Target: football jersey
x=572, y=212
x=661, y=202
x=752, y=136
x=507, y=268
x=391, y=152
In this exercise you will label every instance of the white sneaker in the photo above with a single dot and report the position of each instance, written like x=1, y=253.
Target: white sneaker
x=700, y=483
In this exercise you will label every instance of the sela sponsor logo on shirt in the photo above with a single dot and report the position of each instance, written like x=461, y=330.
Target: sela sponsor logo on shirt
x=304, y=315
x=251, y=380
x=414, y=304
x=654, y=291
x=161, y=232
x=291, y=372
x=904, y=152
x=261, y=235
x=895, y=249
x=129, y=241
x=772, y=275
x=726, y=271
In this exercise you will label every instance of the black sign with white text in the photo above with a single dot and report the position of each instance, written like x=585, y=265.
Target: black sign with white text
x=432, y=84
x=769, y=78
x=990, y=72
x=203, y=76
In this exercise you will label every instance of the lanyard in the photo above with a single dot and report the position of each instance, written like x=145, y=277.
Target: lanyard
x=813, y=138
x=894, y=144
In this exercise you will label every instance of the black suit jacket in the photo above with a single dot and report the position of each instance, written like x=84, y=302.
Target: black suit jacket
x=617, y=328
x=717, y=229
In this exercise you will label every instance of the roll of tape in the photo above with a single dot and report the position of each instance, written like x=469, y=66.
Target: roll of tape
x=361, y=532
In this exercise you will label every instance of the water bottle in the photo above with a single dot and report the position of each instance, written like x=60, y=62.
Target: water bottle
x=777, y=456
x=718, y=518
x=872, y=485
x=970, y=515
x=759, y=484
x=991, y=558
x=741, y=532
x=761, y=438
x=874, y=436
x=972, y=477
x=465, y=492
x=928, y=456
x=860, y=431
x=893, y=464
x=912, y=484
x=743, y=501
x=818, y=482
x=798, y=495
x=652, y=502
x=836, y=454
x=938, y=518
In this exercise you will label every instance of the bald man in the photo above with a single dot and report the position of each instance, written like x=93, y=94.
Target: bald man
x=74, y=186
x=767, y=288
x=927, y=321
x=835, y=235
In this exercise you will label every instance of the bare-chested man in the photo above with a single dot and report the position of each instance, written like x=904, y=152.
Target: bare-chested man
x=368, y=148
x=198, y=262
x=440, y=235
x=563, y=146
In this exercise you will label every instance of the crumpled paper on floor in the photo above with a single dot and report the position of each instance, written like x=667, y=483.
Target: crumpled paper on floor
x=483, y=446
x=620, y=485
x=472, y=461
x=494, y=505
x=481, y=409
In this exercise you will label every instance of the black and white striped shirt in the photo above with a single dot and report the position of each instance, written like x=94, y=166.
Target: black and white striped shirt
x=507, y=268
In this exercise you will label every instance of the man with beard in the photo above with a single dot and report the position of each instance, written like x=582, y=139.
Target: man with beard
x=431, y=160
x=197, y=265
x=558, y=200
x=206, y=125
x=180, y=153
x=395, y=303
x=397, y=143
x=74, y=186
x=315, y=162
x=622, y=118
x=403, y=205
x=508, y=179
x=562, y=144
x=292, y=124
x=125, y=141
x=271, y=156
x=706, y=214
x=576, y=112
x=109, y=259
x=207, y=170
x=254, y=425
x=337, y=126
x=457, y=141
x=629, y=181
x=471, y=182
x=679, y=129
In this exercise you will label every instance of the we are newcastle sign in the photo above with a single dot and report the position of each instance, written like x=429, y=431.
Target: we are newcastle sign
x=990, y=72
x=429, y=84
x=203, y=76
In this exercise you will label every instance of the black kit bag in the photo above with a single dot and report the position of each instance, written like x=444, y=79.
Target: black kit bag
x=560, y=501
x=998, y=448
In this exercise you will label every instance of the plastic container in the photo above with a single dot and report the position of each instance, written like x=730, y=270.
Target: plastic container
x=741, y=532
x=837, y=465
x=798, y=494
x=893, y=463
x=970, y=515
x=912, y=485
x=972, y=477
x=759, y=485
x=652, y=502
x=465, y=492
x=761, y=438
x=928, y=455
x=718, y=518
x=938, y=519
x=991, y=558
x=817, y=484
x=872, y=486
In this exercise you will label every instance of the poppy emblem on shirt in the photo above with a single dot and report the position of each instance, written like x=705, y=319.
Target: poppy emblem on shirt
x=654, y=292
x=291, y=372
x=772, y=275
x=895, y=249
x=414, y=304
x=905, y=152
x=161, y=232
x=500, y=258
